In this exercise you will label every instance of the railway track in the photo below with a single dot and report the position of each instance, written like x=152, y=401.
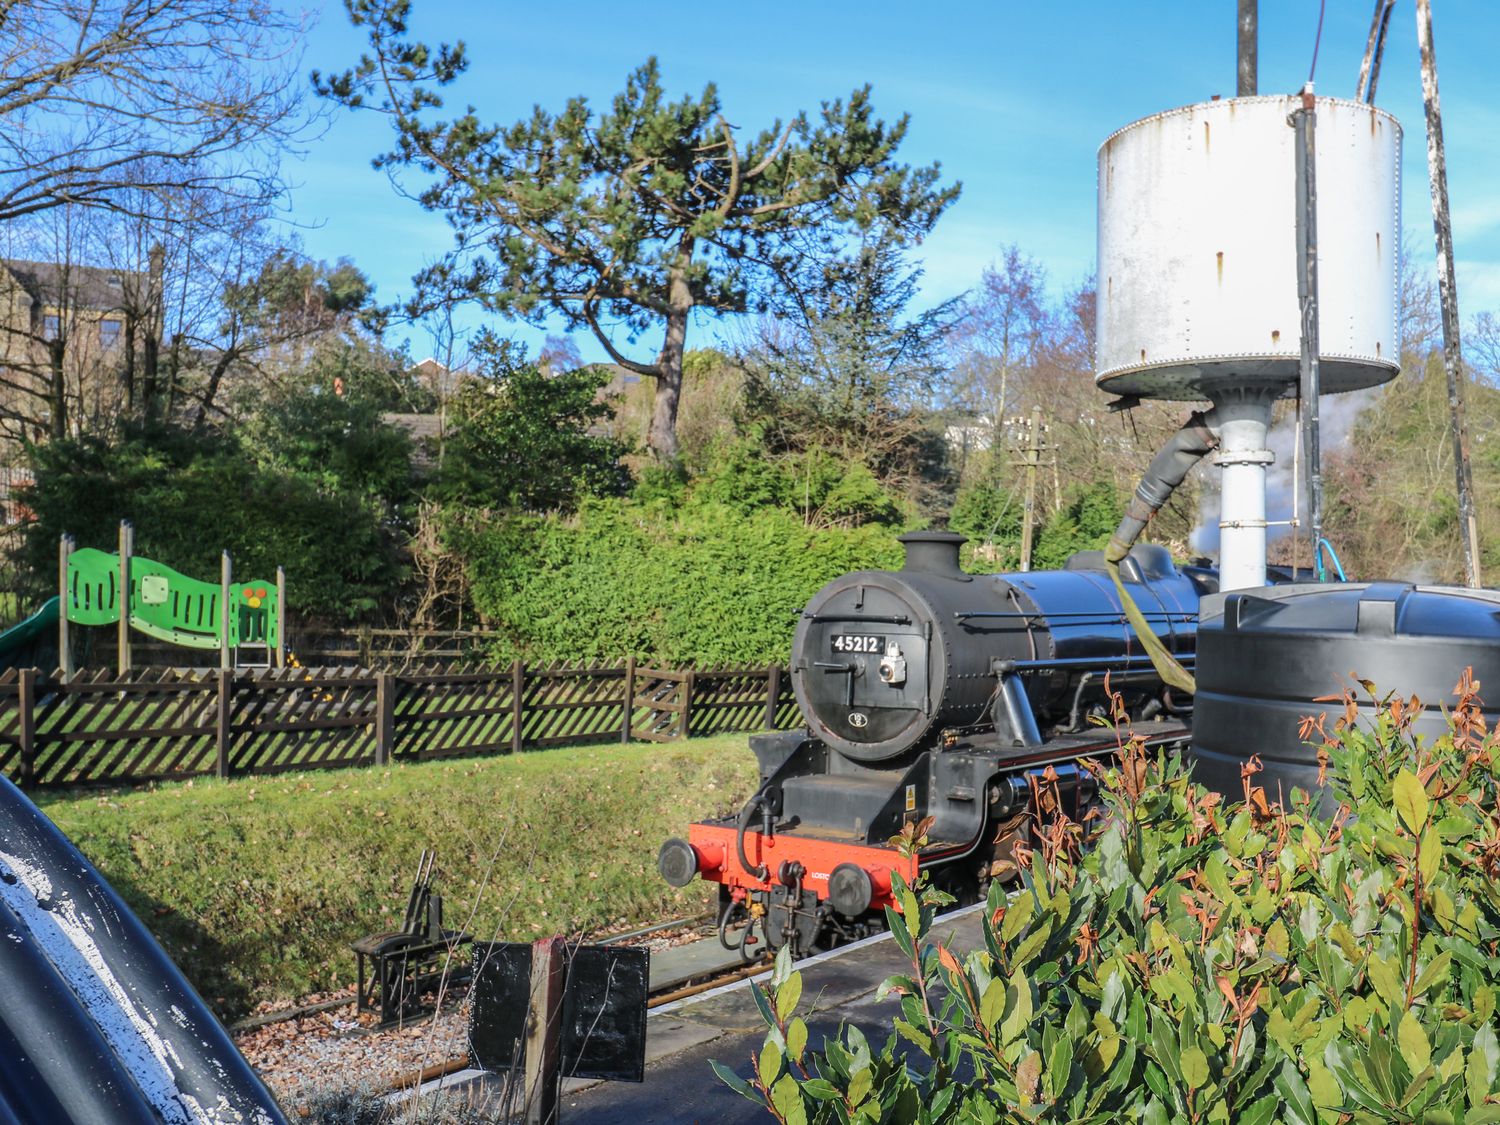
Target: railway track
x=291, y=1047
x=678, y=988
x=302, y=1011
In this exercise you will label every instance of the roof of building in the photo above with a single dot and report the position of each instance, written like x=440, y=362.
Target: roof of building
x=418, y=426
x=91, y=287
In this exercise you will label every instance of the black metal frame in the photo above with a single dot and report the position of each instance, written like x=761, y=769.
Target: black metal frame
x=394, y=969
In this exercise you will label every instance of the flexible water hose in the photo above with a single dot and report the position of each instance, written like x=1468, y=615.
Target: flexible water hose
x=1168, y=469
x=1325, y=546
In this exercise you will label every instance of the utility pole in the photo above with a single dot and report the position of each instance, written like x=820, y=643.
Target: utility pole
x=1248, y=27
x=1442, y=227
x=1310, y=384
x=1033, y=452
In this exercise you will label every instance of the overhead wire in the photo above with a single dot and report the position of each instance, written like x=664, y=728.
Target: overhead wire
x=1317, y=40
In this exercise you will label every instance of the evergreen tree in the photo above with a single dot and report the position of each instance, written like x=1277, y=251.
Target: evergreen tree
x=627, y=219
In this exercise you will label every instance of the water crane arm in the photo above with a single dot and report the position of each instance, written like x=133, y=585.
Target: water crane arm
x=1168, y=469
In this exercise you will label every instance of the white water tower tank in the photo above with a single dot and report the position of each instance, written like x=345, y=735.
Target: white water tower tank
x=1198, y=248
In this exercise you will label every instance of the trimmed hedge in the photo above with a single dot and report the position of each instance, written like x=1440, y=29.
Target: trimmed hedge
x=704, y=583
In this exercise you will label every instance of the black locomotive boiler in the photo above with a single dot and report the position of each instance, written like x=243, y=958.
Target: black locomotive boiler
x=929, y=692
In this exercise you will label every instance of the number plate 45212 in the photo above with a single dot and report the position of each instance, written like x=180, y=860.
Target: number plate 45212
x=858, y=642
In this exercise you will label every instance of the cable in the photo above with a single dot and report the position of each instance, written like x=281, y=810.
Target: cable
x=1317, y=40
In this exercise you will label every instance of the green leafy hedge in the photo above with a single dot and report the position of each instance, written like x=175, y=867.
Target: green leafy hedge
x=1204, y=963
x=192, y=494
x=705, y=583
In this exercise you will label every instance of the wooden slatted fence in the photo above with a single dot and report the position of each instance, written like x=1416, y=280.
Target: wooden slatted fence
x=161, y=724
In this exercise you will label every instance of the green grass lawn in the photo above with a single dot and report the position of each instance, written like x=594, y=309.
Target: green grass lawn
x=257, y=886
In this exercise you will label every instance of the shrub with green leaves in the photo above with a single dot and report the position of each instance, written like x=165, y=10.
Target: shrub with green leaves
x=194, y=493
x=1204, y=962
x=703, y=584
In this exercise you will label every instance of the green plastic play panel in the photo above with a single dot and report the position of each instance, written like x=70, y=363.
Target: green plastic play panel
x=43, y=620
x=168, y=605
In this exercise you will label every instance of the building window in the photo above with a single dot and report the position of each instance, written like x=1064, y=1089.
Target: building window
x=51, y=327
x=109, y=333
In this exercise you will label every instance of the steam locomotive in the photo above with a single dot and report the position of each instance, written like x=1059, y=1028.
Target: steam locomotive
x=929, y=692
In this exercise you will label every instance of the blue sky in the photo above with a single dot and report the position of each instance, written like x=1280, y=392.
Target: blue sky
x=1013, y=98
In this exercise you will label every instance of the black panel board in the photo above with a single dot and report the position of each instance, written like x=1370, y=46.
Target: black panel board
x=604, y=1009
x=497, y=1002
x=604, y=1013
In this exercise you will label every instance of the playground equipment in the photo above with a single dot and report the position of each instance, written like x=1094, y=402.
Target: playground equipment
x=169, y=606
x=28, y=643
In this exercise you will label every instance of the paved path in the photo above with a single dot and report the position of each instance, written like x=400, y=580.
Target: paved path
x=680, y=1088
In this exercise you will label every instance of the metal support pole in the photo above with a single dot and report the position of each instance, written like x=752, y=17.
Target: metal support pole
x=1244, y=414
x=226, y=576
x=544, y=1031
x=1305, y=121
x=1248, y=49
x=64, y=602
x=1453, y=360
x=280, y=617
x=122, y=642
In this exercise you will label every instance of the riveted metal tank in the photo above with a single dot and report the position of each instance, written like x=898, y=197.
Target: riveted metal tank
x=1197, y=248
x=1266, y=656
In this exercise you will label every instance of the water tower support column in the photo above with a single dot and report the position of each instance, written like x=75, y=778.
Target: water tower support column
x=1244, y=414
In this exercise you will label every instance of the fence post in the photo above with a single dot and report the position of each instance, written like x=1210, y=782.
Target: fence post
x=221, y=722
x=517, y=704
x=543, y=1046
x=385, y=716
x=26, y=725
x=687, y=704
x=629, y=699
x=773, y=694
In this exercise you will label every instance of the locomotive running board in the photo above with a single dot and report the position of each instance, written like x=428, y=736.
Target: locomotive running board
x=819, y=851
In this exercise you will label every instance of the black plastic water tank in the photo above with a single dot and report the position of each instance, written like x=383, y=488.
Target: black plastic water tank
x=1265, y=656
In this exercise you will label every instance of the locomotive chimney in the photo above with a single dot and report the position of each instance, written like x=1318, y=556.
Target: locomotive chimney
x=934, y=552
